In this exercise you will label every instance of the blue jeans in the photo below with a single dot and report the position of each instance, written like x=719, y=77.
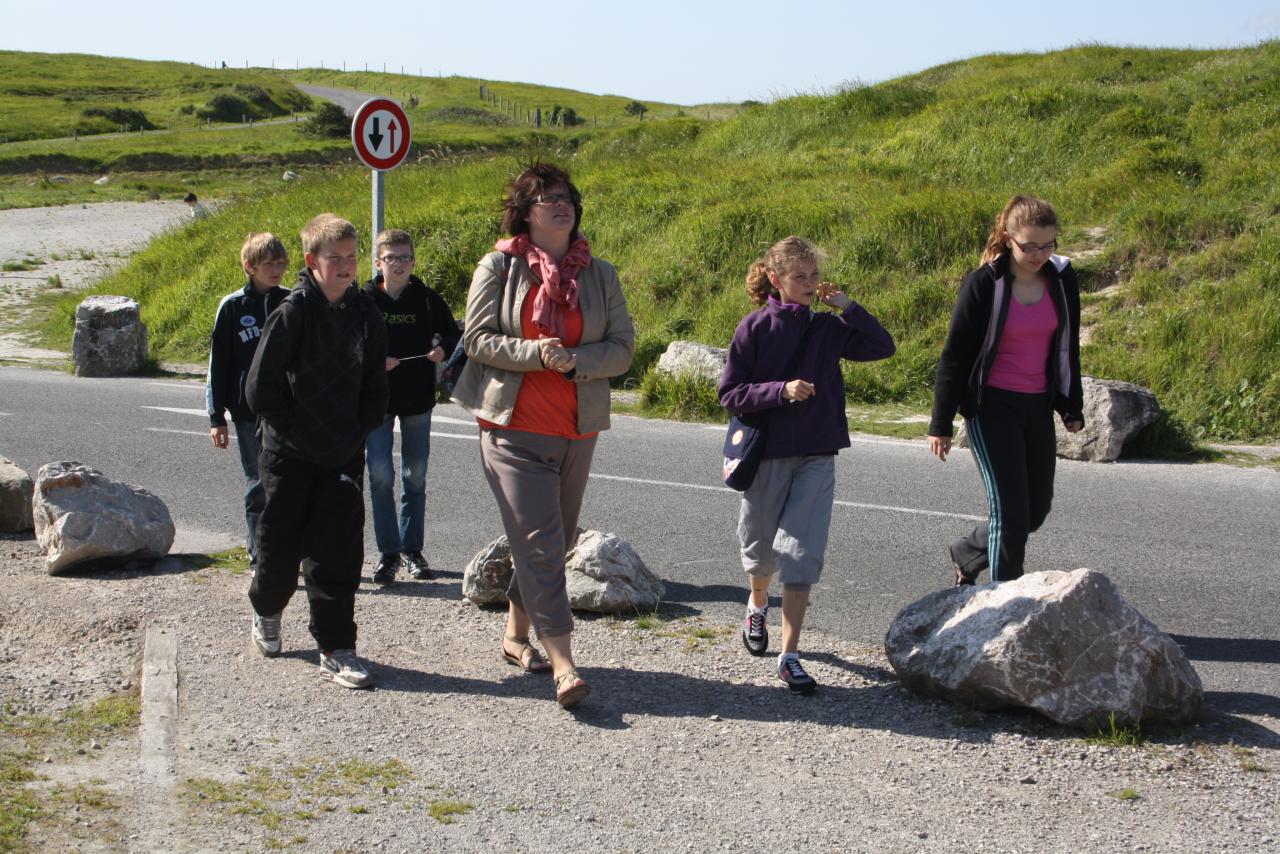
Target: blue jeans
x=415, y=446
x=254, y=498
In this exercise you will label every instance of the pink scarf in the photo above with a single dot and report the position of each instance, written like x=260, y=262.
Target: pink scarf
x=559, y=289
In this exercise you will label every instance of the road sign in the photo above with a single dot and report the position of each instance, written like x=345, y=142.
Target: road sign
x=380, y=134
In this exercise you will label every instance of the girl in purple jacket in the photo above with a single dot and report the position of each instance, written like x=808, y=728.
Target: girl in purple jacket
x=786, y=512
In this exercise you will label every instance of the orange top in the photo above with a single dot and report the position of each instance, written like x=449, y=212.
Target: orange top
x=547, y=403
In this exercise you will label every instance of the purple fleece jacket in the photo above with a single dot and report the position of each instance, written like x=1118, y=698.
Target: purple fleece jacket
x=763, y=346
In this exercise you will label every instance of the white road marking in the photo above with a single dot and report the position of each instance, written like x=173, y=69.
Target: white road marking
x=853, y=437
x=178, y=410
x=859, y=505
x=233, y=435
x=184, y=386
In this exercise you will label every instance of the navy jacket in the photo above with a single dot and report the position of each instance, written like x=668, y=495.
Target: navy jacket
x=762, y=349
x=237, y=326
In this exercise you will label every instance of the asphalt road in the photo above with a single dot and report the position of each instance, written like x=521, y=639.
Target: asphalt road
x=1194, y=548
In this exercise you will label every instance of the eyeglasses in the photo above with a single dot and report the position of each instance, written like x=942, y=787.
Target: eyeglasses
x=396, y=259
x=554, y=199
x=1033, y=248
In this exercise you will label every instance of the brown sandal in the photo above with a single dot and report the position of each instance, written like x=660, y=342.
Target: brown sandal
x=528, y=659
x=570, y=689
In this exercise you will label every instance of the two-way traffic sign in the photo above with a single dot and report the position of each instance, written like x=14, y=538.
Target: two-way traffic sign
x=380, y=134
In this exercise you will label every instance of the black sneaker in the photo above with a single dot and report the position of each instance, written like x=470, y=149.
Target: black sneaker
x=755, y=634
x=790, y=671
x=384, y=573
x=417, y=566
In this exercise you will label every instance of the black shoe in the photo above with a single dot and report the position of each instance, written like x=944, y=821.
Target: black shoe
x=417, y=566
x=963, y=579
x=755, y=634
x=384, y=573
x=790, y=671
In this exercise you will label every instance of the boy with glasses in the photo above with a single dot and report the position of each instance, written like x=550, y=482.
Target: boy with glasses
x=420, y=332
x=319, y=385
x=237, y=328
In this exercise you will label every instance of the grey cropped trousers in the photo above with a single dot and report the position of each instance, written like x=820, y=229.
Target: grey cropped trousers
x=538, y=482
x=785, y=518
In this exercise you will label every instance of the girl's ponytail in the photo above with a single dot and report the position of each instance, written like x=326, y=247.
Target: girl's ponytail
x=758, y=285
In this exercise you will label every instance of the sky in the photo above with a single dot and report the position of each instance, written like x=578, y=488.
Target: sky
x=679, y=52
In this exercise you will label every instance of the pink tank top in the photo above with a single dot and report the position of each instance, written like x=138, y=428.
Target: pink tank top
x=1022, y=357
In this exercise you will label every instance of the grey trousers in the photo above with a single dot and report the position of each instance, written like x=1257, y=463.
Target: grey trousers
x=538, y=482
x=786, y=518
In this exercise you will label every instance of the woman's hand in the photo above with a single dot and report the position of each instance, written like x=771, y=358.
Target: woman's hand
x=940, y=446
x=830, y=294
x=797, y=390
x=555, y=357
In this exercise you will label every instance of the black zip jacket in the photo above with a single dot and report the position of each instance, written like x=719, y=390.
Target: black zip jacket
x=413, y=320
x=237, y=327
x=977, y=323
x=319, y=379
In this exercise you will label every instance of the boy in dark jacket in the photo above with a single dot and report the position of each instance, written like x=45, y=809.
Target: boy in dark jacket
x=237, y=328
x=420, y=332
x=319, y=385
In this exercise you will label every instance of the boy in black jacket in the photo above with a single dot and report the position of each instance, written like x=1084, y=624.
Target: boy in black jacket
x=237, y=327
x=420, y=331
x=319, y=385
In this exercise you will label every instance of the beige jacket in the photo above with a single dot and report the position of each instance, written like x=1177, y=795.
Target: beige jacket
x=498, y=357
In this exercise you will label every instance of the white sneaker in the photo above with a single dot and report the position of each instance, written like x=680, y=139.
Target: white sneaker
x=344, y=667
x=266, y=635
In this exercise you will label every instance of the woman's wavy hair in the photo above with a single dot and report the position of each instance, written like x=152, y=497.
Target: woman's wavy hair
x=1021, y=211
x=524, y=190
x=781, y=255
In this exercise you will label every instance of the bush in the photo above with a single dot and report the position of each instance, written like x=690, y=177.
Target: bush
x=635, y=108
x=328, y=121
x=468, y=116
x=228, y=108
x=107, y=119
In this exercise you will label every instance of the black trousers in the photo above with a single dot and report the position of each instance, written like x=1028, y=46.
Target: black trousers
x=1012, y=438
x=313, y=520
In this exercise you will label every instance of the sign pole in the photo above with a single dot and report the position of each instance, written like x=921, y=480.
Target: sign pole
x=379, y=207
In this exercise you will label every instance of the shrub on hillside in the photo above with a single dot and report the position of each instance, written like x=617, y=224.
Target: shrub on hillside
x=468, y=116
x=228, y=108
x=108, y=119
x=328, y=121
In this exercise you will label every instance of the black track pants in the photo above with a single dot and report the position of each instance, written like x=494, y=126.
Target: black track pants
x=313, y=520
x=1013, y=441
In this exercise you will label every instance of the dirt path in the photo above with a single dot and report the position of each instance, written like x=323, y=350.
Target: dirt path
x=71, y=247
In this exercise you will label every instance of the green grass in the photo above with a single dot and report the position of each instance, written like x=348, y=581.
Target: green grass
x=446, y=811
x=1126, y=794
x=1116, y=734
x=46, y=95
x=1162, y=165
x=25, y=738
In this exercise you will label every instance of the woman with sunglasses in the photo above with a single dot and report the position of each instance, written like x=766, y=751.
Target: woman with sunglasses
x=1012, y=358
x=546, y=327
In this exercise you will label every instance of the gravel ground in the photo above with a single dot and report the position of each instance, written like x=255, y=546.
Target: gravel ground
x=78, y=244
x=687, y=743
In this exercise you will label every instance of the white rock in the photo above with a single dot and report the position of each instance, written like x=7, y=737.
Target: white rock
x=105, y=179
x=16, y=490
x=110, y=339
x=290, y=175
x=603, y=574
x=1066, y=644
x=692, y=358
x=1114, y=412
x=81, y=515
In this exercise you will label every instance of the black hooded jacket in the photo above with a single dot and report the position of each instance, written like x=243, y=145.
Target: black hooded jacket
x=319, y=381
x=414, y=319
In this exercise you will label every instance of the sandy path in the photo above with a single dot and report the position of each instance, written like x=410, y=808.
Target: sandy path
x=78, y=244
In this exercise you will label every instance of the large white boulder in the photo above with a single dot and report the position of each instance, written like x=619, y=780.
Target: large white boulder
x=603, y=574
x=1114, y=412
x=110, y=339
x=82, y=515
x=1066, y=644
x=16, y=489
x=693, y=359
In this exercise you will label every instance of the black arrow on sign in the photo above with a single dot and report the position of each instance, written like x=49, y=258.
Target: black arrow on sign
x=376, y=136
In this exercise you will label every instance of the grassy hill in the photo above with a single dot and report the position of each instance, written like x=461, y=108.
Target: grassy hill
x=1162, y=164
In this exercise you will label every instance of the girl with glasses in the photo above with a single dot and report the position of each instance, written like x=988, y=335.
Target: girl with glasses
x=1012, y=358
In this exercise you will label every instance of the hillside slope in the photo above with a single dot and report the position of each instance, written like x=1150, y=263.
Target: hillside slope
x=1162, y=164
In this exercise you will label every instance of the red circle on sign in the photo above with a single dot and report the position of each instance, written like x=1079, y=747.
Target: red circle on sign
x=380, y=134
